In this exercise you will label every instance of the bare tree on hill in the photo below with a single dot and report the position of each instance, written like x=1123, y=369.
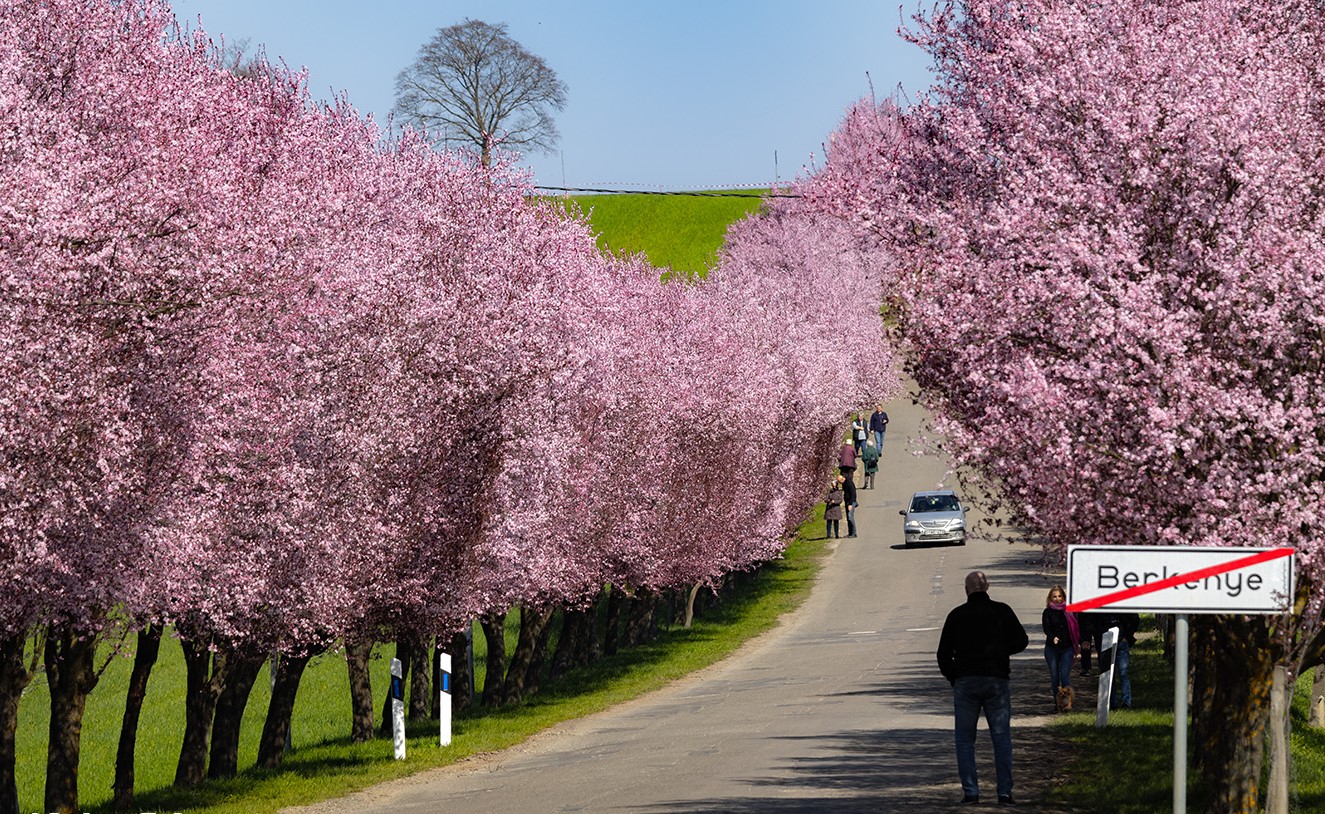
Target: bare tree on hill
x=483, y=88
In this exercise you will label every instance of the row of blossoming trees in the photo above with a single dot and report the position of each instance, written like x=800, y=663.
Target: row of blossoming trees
x=1110, y=215
x=279, y=385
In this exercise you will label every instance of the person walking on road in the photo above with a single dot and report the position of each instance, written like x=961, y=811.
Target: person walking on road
x=878, y=426
x=858, y=434
x=975, y=647
x=833, y=507
x=871, y=458
x=1061, y=641
x=849, y=502
x=846, y=461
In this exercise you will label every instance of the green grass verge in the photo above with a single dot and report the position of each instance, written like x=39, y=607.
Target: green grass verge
x=325, y=763
x=1127, y=767
x=681, y=233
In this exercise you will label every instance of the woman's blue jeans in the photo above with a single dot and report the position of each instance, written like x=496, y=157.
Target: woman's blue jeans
x=1060, y=667
x=972, y=695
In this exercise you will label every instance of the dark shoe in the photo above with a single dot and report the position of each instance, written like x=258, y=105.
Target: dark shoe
x=1005, y=800
x=970, y=799
x=851, y=535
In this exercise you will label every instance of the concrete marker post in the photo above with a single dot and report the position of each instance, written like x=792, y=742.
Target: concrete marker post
x=444, y=698
x=1180, y=633
x=398, y=708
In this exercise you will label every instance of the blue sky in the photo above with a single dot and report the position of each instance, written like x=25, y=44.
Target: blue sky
x=676, y=95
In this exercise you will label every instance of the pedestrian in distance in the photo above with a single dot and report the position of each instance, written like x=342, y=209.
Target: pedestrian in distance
x=1092, y=636
x=975, y=649
x=878, y=426
x=1062, y=640
x=833, y=507
x=858, y=434
x=846, y=460
x=849, y=502
x=1127, y=624
x=870, y=457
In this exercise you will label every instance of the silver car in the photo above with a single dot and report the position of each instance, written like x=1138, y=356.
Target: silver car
x=934, y=517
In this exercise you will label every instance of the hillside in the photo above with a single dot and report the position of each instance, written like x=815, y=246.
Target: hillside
x=676, y=231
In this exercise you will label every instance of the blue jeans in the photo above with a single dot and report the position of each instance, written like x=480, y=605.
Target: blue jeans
x=878, y=440
x=1060, y=667
x=970, y=696
x=1122, y=661
x=851, y=521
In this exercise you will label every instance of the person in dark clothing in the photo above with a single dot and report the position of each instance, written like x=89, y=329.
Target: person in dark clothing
x=1127, y=624
x=1092, y=636
x=850, y=503
x=833, y=507
x=846, y=461
x=878, y=426
x=1061, y=638
x=974, y=653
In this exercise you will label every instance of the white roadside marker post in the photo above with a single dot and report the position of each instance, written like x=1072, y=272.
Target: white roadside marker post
x=1108, y=649
x=444, y=698
x=398, y=708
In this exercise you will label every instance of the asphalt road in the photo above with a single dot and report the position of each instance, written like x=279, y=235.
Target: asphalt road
x=841, y=708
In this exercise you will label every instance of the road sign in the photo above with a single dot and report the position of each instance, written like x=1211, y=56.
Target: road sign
x=1180, y=579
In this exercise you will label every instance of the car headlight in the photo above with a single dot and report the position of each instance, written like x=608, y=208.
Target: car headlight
x=913, y=524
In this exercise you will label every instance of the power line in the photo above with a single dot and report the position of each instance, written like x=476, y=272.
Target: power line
x=661, y=192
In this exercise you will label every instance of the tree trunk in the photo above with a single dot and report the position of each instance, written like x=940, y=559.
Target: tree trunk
x=578, y=644
x=494, y=674
x=14, y=677
x=276, y=729
x=70, y=676
x=404, y=652
x=1276, y=796
x=144, y=658
x=420, y=685
x=1317, y=714
x=1243, y=661
x=229, y=715
x=690, y=604
x=533, y=677
x=640, y=618
x=611, y=633
x=361, y=690
x=533, y=624
x=205, y=672
x=462, y=683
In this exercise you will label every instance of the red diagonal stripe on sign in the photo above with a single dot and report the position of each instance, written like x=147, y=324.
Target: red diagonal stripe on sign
x=1179, y=579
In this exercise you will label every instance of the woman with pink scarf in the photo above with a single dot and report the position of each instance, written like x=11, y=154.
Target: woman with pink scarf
x=1062, y=640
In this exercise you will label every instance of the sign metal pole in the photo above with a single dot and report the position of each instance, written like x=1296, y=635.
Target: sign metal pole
x=1180, y=635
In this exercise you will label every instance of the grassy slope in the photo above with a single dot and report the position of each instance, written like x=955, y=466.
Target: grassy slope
x=680, y=232
x=683, y=232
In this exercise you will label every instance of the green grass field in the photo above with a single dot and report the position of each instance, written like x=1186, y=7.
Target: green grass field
x=682, y=233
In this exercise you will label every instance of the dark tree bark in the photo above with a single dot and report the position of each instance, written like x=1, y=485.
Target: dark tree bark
x=144, y=658
x=70, y=676
x=14, y=677
x=361, y=690
x=462, y=683
x=276, y=729
x=578, y=644
x=1241, y=666
x=494, y=676
x=611, y=635
x=521, y=678
x=205, y=673
x=224, y=761
x=420, y=685
x=641, y=617
x=538, y=664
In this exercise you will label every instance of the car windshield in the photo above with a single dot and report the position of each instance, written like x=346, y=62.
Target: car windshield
x=934, y=503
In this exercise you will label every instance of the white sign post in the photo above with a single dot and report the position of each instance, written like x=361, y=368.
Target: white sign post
x=1107, y=646
x=398, y=708
x=444, y=697
x=1181, y=580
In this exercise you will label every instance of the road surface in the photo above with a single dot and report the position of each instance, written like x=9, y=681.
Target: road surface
x=841, y=708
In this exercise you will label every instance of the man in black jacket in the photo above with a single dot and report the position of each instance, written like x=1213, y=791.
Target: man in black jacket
x=974, y=653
